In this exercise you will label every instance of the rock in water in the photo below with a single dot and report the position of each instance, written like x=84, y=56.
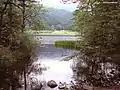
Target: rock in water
x=62, y=86
x=36, y=86
x=52, y=84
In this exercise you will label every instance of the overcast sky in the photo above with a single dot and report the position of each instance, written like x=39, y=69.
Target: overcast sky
x=59, y=4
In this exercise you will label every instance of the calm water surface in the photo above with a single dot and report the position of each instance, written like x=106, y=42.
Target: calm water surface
x=50, y=59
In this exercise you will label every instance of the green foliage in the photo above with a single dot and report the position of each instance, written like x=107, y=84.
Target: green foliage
x=98, y=24
x=33, y=18
x=16, y=48
x=67, y=44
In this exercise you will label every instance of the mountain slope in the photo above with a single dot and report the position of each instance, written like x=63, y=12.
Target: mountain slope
x=58, y=18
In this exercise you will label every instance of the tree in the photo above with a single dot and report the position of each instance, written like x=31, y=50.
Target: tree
x=16, y=48
x=34, y=20
x=97, y=21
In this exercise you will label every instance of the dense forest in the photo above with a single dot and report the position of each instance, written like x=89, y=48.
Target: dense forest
x=16, y=48
x=98, y=22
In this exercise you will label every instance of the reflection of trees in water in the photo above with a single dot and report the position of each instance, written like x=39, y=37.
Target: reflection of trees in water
x=11, y=77
x=100, y=71
x=37, y=68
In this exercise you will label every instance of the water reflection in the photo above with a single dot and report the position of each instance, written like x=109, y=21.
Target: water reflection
x=56, y=70
x=52, y=66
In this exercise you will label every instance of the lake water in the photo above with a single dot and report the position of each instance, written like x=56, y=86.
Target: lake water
x=48, y=63
x=50, y=39
x=50, y=60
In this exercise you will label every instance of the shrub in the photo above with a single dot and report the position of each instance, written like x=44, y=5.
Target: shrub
x=67, y=44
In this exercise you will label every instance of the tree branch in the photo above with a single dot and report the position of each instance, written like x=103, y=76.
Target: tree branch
x=16, y=5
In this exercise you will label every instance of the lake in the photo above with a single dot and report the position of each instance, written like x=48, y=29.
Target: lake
x=50, y=60
x=50, y=39
x=49, y=64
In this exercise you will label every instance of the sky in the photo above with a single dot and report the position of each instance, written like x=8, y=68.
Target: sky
x=59, y=4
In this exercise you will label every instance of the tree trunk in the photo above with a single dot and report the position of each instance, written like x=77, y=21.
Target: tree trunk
x=23, y=13
x=25, y=81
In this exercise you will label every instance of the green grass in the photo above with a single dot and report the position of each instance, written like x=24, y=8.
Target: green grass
x=50, y=32
x=67, y=44
x=64, y=32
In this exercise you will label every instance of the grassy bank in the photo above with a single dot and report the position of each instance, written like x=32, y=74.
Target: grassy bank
x=52, y=32
x=67, y=44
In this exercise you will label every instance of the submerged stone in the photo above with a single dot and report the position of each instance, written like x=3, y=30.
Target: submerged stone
x=52, y=84
x=36, y=86
x=62, y=85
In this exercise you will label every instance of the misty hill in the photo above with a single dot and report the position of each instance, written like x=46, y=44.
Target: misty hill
x=58, y=18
